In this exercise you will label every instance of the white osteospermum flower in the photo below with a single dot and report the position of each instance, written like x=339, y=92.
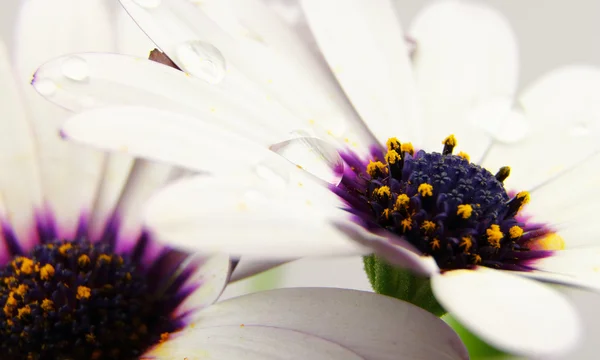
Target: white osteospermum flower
x=257, y=84
x=83, y=279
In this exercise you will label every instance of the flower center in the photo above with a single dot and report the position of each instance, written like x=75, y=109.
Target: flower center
x=77, y=300
x=443, y=204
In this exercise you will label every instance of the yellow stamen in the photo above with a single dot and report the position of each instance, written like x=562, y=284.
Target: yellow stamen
x=407, y=147
x=524, y=197
x=47, y=305
x=428, y=226
x=83, y=261
x=393, y=144
x=27, y=266
x=494, y=235
x=376, y=167
x=435, y=244
x=83, y=292
x=105, y=258
x=425, y=190
x=465, y=211
x=477, y=259
x=406, y=224
x=25, y=310
x=386, y=213
x=383, y=191
x=21, y=289
x=466, y=243
x=392, y=157
x=450, y=141
x=464, y=155
x=46, y=272
x=163, y=337
x=401, y=201
x=515, y=232
x=552, y=241
x=64, y=248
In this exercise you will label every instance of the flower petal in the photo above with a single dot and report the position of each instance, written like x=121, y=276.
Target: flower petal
x=466, y=56
x=364, y=46
x=168, y=137
x=20, y=188
x=578, y=267
x=247, y=215
x=373, y=326
x=70, y=174
x=511, y=313
x=563, y=112
x=250, y=342
x=205, y=285
x=248, y=266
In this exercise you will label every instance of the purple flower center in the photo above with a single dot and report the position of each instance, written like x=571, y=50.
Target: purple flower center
x=443, y=204
x=78, y=300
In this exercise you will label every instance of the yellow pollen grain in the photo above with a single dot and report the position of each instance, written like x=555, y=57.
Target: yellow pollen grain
x=64, y=248
x=46, y=272
x=464, y=211
x=47, y=305
x=105, y=258
x=83, y=292
x=383, y=191
x=450, y=140
x=27, y=266
x=494, y=235
x=376, y=167
x=464, y=155
x=435, y=244
x=392, y=157
x=393, y=144
x=407, y=147
x=425, y=190
x=401, y=201
x=25, y=310
x=21, y=289
x=515, y=232
x=551, y=241
x=406, y=224
x=428, y=226
x=466, y=243
x=83, y=260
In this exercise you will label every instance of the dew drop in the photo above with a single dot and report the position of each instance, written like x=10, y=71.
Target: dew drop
x=45, y=87
x=76, y=68
x=148, y=4
x=202, y=60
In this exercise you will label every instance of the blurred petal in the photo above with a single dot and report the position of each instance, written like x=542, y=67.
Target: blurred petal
x=466, y=56
x=579, y=267
x=363, y=43
x=246, y=215
x=250, y=342
x=511, y=313
x=373, y=326
x=249, y=266
x=70, y=175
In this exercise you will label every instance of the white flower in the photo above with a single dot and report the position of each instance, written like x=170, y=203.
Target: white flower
x=82, y=278
x=258, y=84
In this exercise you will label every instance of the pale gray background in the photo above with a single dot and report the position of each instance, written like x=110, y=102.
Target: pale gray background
x=550, y=33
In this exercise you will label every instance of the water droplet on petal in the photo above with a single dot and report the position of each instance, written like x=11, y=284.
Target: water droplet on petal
x=76, y=68
x=580, y=129
x=202, y=60
x=45, y=87
x=148, y=4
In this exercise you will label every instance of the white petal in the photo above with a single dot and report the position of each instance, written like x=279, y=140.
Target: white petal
x=249, y=342
x=206, y=283
x=373, y=326
x=364, y=46
x=69, y=174
x=509, y=312
x=579, y=267
x=131, y=39
x=247, y=215
x=247, y=46
x=124, y=80
x=20, y=190
x=249, y=266
x=466, y=56
x=563, y=112
x=167, y=137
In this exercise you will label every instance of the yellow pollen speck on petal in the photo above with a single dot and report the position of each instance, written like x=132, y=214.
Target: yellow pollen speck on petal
x=406, y=224
x=464, y=155
x=466, y=243
x=47, y=305
x=551, y=241
x=83, y=292
x=428, y=226
x=392, y=157
x=464, y=211
x=401, y=201
x=393, y=144
x=46, y=272
x=64, y=248
x=515, y=232
x=494, y=235
x=450, y=141
x=383, y=191
x=435, y=244
x=407, y=147
x=376, y=167
x=27, y=266
x=425, y=190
